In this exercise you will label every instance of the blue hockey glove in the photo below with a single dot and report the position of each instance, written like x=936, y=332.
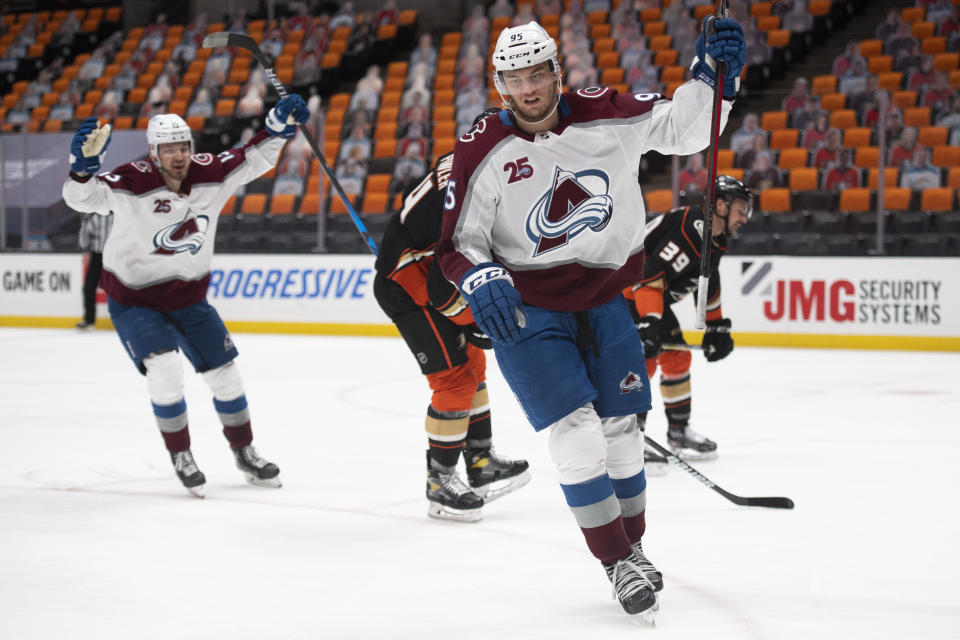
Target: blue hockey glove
x=720, y=40
x=283, y=119
x=488, y=289
x=717, y=343
x=89, y=146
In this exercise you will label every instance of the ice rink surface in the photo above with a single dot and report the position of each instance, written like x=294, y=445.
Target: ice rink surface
x=98, y=539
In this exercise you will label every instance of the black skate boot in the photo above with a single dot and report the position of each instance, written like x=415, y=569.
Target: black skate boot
x=186, y=468
x=631, y=586
x=689, y=444
x=491, y=476
x=449, y=496
x=257, y=471
x=650, y=571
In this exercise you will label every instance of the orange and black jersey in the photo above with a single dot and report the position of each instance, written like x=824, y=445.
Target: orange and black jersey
x=407, y=249
x=672, y=268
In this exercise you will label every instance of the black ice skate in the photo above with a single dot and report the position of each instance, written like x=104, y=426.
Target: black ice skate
x=186, y=468
x=491, y=476
x=631, y=586
x=449, y=496
x=689, y=444
x=650, y=571
x=257, y=471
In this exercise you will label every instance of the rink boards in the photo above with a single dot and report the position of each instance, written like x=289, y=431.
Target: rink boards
x=871, y=303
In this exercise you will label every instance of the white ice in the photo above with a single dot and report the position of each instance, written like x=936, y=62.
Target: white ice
x=98, y=539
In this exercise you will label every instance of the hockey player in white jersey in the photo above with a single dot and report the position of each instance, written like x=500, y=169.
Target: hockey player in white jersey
x=156, y=268
x=543, y=227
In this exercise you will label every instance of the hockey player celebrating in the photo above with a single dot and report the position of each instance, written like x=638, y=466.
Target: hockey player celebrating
x=541, y=233
x=448, y=346
x=156, y=268
x=670, y=273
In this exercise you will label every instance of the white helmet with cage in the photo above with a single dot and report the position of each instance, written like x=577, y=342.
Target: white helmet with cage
x=525, y=46
x=164, y=128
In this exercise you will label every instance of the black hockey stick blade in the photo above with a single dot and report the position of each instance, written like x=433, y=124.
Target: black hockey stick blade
x=768, y=502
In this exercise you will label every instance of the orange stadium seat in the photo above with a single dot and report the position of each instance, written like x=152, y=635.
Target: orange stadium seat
x=870, y=48
x=916, y=117
x=879, y=64
x=897, y=198
x=855, y=200
x=702, y=11
x=824, y=84
x=857, y=136
x=665, y=57
x=673, y=73
x=608, y=59
x=922, y=30
x=375, y=202
x=338, y=207
x=768, y=23
x=818, y=7
x=659, y=200
x=660, y=43
x=650, y=15
x=603, y=45
x=772, y=120
x=377, y=182
x=53, y=126
x=444, y=129
x=905, y=98
x=833, y=101
x=937, y=199
x=612, y=76
x=933, y=45
x=865, y=157
x=387, y=129
x=443, y=145
x=123, y=122
x=253, y=203
x=930, y=136
x=953, y=175
x=783, y=138
x=775, y=199
x=196, y=122
x=282, y=204
x=890, y=80
x=385, y=148
x=657, y=28
x=596, y=31
x=945, y=156
x=946, y=61
x=804, y=179
x=309, y=204
x=761, y=8
x=843, y=118
x=725, y=158
x=890, y=175
x=793, y=157
x=230, y=206
x=778, y=38
x=912, y=14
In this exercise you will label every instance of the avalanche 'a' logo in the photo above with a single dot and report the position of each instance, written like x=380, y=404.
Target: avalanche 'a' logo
x=186, y=235
x=632, y=382
x=575, y=202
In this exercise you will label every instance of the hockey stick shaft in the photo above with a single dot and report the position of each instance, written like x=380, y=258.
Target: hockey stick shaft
x=703, y=282
x=228, y=39
x=769, y=502
x=681, y=347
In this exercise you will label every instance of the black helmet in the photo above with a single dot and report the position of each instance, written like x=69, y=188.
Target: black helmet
x=730, y=189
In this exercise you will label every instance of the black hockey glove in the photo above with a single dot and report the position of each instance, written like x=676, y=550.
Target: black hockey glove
x=717, y=343
x=651, y=330
x=476, y=337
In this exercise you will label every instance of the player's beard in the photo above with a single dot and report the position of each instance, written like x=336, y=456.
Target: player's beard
x=541, y=111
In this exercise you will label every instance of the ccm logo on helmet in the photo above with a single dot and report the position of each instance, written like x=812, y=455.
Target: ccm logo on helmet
x=518, y=55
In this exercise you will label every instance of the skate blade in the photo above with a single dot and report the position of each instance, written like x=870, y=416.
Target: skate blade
x=693, y=454
x=648, y=617
x=500, y=488
x=273, y=483
x=197, y=491
x=442, y=512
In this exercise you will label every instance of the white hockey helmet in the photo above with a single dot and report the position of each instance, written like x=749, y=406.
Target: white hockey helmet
x=520, y=47
x=164, y=128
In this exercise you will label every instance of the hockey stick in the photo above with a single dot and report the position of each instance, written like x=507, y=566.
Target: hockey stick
x=710, y=194
x=230, y=39
x=681, y=347
x=771, y=503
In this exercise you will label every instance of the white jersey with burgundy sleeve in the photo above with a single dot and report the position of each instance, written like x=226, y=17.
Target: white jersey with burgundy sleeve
x=562, y=210
x=159, y=251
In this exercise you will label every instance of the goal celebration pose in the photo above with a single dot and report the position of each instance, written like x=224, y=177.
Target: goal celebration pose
x=541, y=233
x=156, y=268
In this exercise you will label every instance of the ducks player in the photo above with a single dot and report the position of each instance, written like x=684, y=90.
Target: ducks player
x=541, y=233
x=156, y=268
x=670, y=273
x=449, y=348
